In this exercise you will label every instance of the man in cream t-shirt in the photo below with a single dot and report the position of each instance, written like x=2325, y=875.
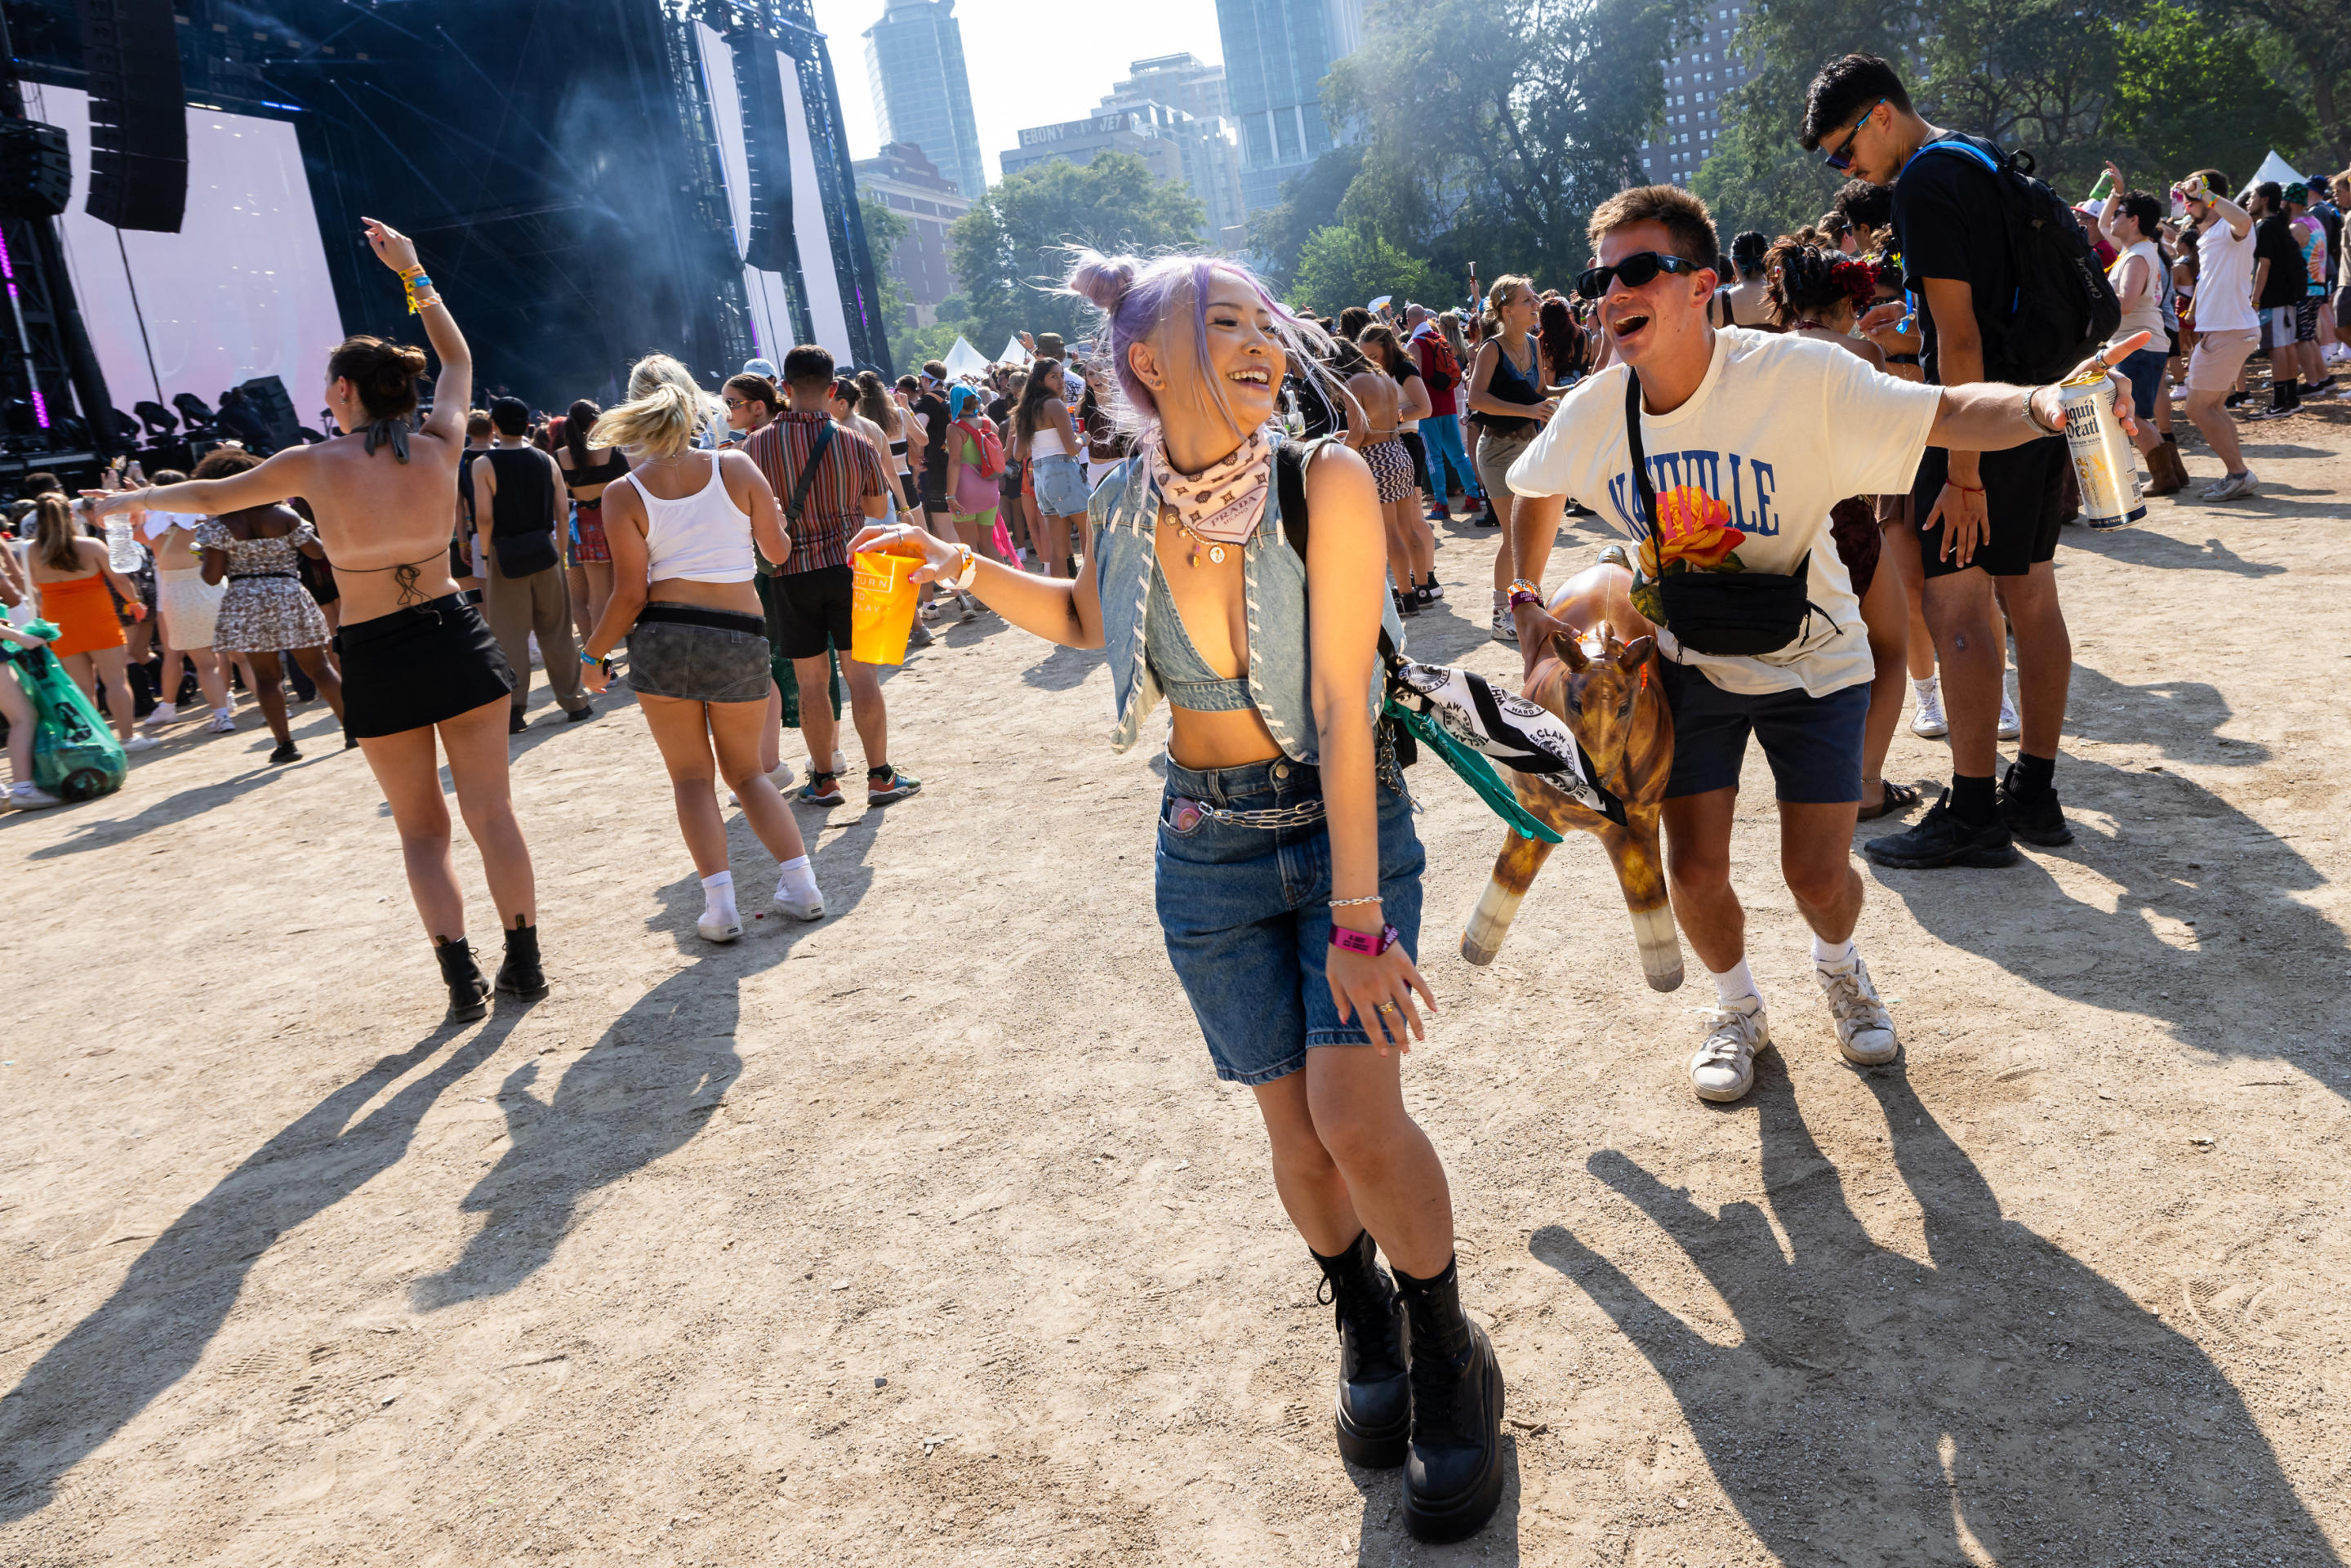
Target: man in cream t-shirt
x=1751, y=438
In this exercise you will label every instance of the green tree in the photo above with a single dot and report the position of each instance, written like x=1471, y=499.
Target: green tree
x=1341, y=266
x=2190, y=96
x=1011, y=247
x=1310, y=202
x=1492, y=128
x=2313, y=60
x=884, y=229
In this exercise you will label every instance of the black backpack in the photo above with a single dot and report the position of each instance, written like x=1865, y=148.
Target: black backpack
x=2064, y=309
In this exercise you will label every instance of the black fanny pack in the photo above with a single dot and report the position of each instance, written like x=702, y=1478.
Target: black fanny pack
x=1725, y=614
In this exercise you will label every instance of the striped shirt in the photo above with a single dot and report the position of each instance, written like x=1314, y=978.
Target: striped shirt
x=847, y=474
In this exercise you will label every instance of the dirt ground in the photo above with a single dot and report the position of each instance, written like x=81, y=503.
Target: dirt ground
x=926, y=1235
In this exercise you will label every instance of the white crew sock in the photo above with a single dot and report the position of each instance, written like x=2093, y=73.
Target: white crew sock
x=1826, y=952
x=719, y=899
x=1927, y=687
x=1734, y=983
x=796, y=881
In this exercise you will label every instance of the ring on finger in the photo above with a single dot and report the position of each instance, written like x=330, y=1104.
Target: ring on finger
x=1383, y=1007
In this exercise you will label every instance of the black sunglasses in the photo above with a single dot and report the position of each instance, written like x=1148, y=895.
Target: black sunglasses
x=1640, y=268
x=1842, y=159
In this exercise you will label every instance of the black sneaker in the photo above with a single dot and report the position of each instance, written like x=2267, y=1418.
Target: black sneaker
x=285, y=753
x=2234, y=400
x=2035, y=819
x=1424, y=594
x=1406, y=603
x=1487, y=519
x=1434, y=589
x=1940, y=839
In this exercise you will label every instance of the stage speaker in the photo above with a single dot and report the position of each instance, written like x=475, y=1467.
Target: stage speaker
x=138, y=115
x=266, y=399
x=767, y=154
x=35, y=172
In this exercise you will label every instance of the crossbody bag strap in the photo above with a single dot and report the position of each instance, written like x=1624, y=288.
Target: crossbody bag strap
x=797, y=503
x=1640, y=457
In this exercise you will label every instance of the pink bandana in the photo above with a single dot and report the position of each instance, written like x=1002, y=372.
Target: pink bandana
x=1223, y=503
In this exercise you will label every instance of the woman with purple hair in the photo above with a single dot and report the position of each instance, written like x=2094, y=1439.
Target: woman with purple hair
x=1288, y=872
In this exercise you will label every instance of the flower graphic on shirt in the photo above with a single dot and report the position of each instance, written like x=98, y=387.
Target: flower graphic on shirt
x=1693, y=532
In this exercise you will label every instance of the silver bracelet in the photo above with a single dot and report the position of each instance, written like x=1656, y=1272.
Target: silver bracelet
x=1350, y=903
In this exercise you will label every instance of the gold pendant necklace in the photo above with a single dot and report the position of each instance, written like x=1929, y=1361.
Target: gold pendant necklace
x=1216, y=551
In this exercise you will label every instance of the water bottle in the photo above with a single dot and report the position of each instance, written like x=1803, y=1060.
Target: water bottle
x=122, y=551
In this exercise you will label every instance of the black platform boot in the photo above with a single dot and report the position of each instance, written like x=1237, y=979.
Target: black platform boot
x=520, y=977
x=468, y=992
x=1452, y=1475
x=1375, y=1397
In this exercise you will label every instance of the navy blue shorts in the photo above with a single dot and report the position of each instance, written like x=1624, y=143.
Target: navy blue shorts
x=1813, y=744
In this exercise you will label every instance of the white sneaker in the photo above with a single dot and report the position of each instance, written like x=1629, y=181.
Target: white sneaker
x=163, y=714
x=782, y=776
x=1928, y=722
x=2010, y=727
x=1724, y=1068
x=813, y=910
x=142, y=742
x=2230, y=487
x=224, y=723
x=30, y=797
x=1864, y=1028
x=1505, y=629
x=719, y=930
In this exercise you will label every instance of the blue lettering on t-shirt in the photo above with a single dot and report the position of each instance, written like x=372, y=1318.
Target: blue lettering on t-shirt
x=1702, y=470
x=1766, y=524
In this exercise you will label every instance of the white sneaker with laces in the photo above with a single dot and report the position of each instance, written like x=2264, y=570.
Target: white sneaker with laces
x=2228, y=486
x=141, y=743
x=2010, y=727
x=1928, y=722
x=1724, y=1068
x=1864, y=1028
x=30, y=797
x=1505, y=629
x=224, y=723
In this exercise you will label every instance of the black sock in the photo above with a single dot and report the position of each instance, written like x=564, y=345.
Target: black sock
x=2284, y=393
x=2170, y=438
x=2034, y=774
x=1971, y=799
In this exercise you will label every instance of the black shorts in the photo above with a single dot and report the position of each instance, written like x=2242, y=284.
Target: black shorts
x=810, y=611
x=934, y=488
x=419, y=666
x=701, y=656
x=1418, y=450
x=2024, y=497
x=1813, y=743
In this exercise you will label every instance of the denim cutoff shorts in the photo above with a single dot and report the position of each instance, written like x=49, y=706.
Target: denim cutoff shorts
x=1061, y=486
x=1245, y=912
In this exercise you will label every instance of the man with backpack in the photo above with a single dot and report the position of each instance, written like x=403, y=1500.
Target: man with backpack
x=2008, y=291
x=828, y=482
x=1440, y=432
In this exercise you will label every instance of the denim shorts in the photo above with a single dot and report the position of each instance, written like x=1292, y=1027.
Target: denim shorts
x=1245, y=912
x=1061, y=486
x=701, y=656
x=2143, y=368
x=1813, y=744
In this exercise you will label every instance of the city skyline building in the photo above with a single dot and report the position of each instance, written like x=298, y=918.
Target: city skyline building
x=1194, y=89
x=903, y=179
x=1696, y=81
x=922, y=94
x=1276, y=54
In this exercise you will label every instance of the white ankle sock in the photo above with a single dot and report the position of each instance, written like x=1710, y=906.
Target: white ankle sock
x=1929, y=686
x=719, y=899
x=796, y=881
x=1734, y=983
x=1827, y=952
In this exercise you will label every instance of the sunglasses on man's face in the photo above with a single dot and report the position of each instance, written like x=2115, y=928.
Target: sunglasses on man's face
x=1842, y=159
x=1642, y=266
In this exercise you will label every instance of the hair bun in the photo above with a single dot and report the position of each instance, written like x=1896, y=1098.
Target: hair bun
x=1103, y=279
x=1806, y=270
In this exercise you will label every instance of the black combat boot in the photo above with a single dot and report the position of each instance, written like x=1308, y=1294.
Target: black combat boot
x=1452, y=1475
x=520, y=977
x=1374, y=1395
x=468, y=992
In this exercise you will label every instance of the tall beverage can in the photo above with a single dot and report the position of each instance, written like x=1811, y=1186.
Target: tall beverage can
x=2104, y=461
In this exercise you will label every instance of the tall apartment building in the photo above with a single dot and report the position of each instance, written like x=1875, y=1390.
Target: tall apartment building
x=913, y=62
x=909, y=184
x=1696, y=81
x=1203, y=128
x=1276, y=53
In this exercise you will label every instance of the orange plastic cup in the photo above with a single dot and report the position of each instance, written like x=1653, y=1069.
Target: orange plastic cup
x=881, y=606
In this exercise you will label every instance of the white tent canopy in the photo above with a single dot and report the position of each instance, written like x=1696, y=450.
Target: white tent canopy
x=2275, y=168
x=1014, y=354
x=963, y=359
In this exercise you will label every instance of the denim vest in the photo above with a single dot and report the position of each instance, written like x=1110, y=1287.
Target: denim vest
x=1124, y=512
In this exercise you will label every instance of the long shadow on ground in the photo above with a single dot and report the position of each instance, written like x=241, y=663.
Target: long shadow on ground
x=645, y=1088
x=146, y=1335
x=2000, y=1403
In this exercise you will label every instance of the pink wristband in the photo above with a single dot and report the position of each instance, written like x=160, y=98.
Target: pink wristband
x=1363, y=942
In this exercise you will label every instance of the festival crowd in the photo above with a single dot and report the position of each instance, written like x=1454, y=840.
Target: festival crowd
x=1835, y=456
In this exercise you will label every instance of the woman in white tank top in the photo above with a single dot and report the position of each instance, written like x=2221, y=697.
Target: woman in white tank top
x=682, y=525
x=1044, y=438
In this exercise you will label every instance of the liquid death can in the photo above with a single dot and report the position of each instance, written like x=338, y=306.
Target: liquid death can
x=2104, y=459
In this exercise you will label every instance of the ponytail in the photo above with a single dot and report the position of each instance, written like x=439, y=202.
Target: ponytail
x=665, y=411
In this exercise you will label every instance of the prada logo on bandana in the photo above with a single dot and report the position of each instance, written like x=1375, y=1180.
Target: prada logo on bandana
x=1223, y=502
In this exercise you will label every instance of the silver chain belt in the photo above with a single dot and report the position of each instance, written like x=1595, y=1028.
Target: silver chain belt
x=1304, y=814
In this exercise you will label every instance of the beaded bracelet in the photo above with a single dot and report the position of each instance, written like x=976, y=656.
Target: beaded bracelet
x=1350, y=903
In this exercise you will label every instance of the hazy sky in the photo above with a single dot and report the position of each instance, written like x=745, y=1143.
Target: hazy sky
x=1031, y=62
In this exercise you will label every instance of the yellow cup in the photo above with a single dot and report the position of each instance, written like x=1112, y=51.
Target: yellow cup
x=880, y=607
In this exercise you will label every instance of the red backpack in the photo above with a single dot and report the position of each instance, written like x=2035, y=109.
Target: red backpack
x=1443, y=370
x=990, y=444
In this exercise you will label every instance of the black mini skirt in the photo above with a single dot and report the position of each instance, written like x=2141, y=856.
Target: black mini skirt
x=419, y=666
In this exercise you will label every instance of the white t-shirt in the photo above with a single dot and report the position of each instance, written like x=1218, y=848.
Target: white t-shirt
x=1782, y=429
x=2224, y=280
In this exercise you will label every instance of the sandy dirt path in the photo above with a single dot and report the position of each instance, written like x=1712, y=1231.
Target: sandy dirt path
x=926, y=1235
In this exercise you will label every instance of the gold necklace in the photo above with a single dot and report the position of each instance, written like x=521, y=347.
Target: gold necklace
x=1216, y=550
